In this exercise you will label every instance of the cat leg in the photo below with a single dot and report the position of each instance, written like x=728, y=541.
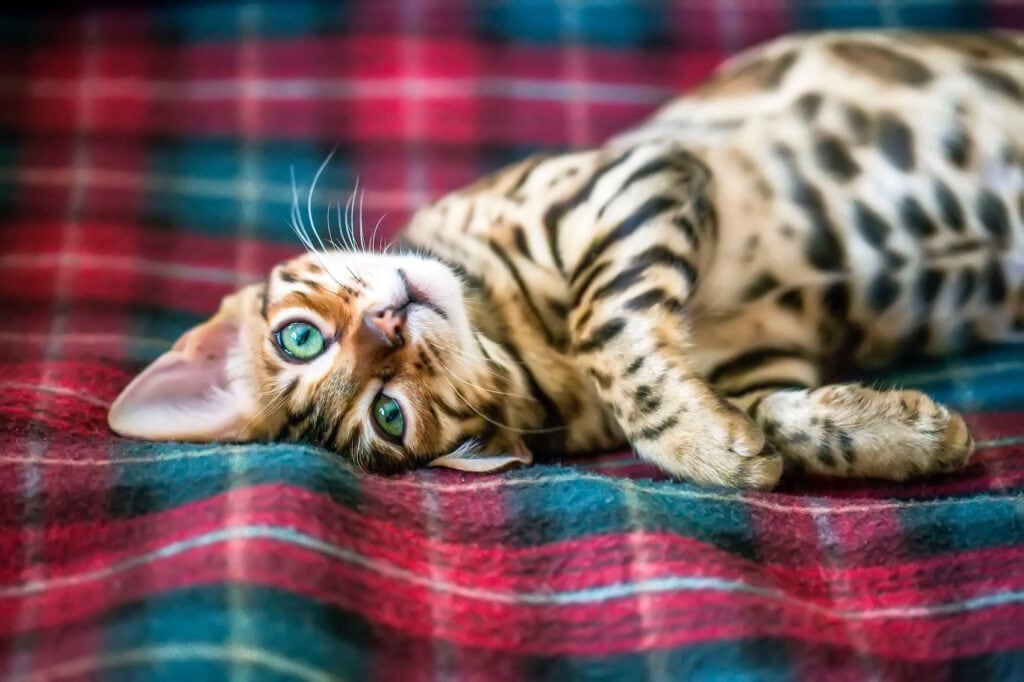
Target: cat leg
x=629, y=328
x=852, y=430
x=849, y=429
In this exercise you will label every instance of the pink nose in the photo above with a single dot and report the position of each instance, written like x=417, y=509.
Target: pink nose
x=386, y=325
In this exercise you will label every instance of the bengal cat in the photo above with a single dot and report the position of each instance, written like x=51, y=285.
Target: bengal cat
x=851, y=195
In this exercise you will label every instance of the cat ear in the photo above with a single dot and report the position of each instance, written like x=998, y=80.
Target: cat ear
x=188, y=393
x=503, y=453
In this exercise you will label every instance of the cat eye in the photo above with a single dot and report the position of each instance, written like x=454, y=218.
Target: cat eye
x=300, y=340
x=388, y=415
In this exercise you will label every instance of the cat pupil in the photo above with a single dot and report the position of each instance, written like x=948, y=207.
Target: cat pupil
x=389, y=416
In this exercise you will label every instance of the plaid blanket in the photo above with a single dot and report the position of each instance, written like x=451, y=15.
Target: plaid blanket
x=144, y=173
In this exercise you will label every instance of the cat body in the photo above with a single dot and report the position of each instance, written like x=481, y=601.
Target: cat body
x=850, y=196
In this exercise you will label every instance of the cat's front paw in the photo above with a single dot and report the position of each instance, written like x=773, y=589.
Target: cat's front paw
x=719, y=446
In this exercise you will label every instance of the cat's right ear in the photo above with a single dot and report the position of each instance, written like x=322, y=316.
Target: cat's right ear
x=192, y=392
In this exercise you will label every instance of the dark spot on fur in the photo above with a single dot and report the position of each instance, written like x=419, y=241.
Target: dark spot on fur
x=915, y=219
x=770, y=428
x=792, y=300
x=894, y=261
x=836, y=300
x=825, y=455
x=834, y=158
x=822, y=248
x=957, y=146
x=882, y=63
x=870, y=225
x=997, y=81
x=798, y=437
x=828, y=426
x=949, y=207
x=776, y=71
x=928, y=284
x=993, y=215
x=995, y=283
x=895, y=141
x=520, y=238
x=846, y=446
x=761, y=285
x=647, y=401
x=288, y=276
x=808, y=105
x=858, y=122
x=964, y=285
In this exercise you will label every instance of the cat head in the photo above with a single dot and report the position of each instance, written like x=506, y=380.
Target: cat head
x=373, y=356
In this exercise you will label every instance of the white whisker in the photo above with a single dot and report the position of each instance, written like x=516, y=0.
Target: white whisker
x=373, y=237
x=362, y=232
x=309, y=198
x=350, y=213
x=507, y=427
x=300, y=229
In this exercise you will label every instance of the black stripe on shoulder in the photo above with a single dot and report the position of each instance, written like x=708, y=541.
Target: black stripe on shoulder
x=529, y=166
x=556, y=212
x=524, y=290
x=771, y=385
x=645, y=300
x=580, y=289
x=656, y=255
x=753, y=359
x=601, y=336
x=651, y=208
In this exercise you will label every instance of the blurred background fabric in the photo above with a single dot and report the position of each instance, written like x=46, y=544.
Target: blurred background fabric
x=146, y=154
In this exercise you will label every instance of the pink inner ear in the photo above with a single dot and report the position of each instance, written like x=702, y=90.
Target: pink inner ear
x=477, y=465
x=186, y=393
x=469, y=457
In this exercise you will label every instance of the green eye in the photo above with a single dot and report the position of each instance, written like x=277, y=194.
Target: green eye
x=388, y=415
x=301, y=340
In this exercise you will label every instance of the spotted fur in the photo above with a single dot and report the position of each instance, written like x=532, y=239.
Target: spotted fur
x=847, y=195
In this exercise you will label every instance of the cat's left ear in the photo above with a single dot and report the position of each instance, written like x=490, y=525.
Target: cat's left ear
x=190, y=393
x=504, y=452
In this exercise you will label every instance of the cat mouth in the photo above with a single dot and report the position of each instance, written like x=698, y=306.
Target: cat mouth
x=418, y=295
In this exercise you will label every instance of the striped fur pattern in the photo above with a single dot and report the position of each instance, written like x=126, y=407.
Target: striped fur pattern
x=851, y=196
